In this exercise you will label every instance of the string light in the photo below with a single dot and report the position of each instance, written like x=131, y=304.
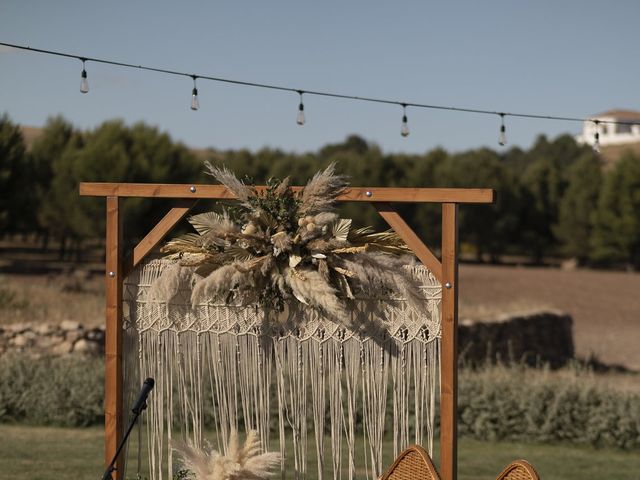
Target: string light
x=502, y=138
x=300, y=119
x=84, y=83
x=596, y=137
x=84, y=88
x=195, y=103
x=404, y=128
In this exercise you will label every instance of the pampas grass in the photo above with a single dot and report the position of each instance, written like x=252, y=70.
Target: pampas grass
x=378, y=272
x=242, y=462
x=229, y=180
x=310, y=288
x=235, y=281
x=173, y=279
x=321, y=192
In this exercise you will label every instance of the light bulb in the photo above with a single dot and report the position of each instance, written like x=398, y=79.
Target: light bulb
x=596, y=139
x=300, y=119
x=404, y=129
x=502, y=138
x=84, y=83
x=195, y=104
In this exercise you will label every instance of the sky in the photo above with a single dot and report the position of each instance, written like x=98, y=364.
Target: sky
x=569, y=58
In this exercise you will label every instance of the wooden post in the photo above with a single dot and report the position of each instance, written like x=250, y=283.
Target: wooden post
x=449, y=354
x=113, y=417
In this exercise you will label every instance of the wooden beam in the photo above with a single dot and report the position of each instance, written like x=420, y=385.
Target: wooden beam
x=113, y=417
x=352, y=194
x=157, y=233
x=395, y=221
x=449, y=353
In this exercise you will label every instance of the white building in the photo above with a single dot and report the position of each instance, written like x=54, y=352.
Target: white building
x=612, y=134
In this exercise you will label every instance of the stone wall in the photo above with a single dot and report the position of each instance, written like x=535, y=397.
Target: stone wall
x=542, y=337
x=45, y=338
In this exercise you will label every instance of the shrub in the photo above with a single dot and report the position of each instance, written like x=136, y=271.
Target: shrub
x=64, y=391
x=495, y=403
x=522, y=404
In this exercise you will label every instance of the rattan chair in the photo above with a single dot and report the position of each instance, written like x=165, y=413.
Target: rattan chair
x=413, y=463
x=519, y=470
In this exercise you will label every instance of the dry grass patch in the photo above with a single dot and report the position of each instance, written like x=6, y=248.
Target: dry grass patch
x=51, y=299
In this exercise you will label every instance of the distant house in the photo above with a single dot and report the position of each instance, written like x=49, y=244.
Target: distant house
x=612, y=134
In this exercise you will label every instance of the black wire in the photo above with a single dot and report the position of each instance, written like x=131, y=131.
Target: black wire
x=315, y=92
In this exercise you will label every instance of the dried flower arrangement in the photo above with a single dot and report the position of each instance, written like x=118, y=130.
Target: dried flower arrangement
x=278, y=244
x=244, y=462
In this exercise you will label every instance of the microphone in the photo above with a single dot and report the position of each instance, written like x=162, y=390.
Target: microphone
x=141, y=402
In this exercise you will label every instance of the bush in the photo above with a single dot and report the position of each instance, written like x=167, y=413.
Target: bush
x=495, y=403
x=521, y=404
x=63, y=391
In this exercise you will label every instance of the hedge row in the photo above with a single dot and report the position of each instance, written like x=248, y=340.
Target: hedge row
x=495, y=403
x=521, y=404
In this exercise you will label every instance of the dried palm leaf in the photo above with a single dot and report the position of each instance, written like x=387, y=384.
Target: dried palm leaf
x=189, y=242
x=209, y=222
x=238, y=253
x=387, y=241
x=340, y=230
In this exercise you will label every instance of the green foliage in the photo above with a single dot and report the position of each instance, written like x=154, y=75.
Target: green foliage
x=495, y=403
x=57, y=135
x=577, y=207
x=64, y=391
x=490, y=228
x=616, y=235
x=279, y=204
x=546, y=195
x=519, y=404
x=14, y=170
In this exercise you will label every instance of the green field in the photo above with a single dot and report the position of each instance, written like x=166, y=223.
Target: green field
x=45, y=453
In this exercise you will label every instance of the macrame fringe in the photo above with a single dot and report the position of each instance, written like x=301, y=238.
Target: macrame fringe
x=228, y=365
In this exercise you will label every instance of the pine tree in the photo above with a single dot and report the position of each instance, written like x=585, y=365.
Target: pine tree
x=13, y=170
x=616, y=235
x=577, y=207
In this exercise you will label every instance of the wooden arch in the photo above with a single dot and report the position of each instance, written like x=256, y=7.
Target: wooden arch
x=186, y=196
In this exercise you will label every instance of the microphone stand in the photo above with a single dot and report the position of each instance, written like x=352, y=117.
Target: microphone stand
x=111, y=468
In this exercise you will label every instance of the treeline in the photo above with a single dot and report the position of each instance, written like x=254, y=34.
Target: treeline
x=554, y=200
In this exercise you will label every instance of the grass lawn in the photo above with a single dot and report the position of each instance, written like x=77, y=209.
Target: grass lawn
x=44, y=453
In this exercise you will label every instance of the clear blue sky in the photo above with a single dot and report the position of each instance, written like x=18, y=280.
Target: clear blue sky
x=561, y=58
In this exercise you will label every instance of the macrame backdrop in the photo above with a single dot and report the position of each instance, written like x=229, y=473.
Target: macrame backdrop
x=322, y=378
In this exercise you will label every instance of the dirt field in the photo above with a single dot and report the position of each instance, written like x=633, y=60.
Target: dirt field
x=605, y=305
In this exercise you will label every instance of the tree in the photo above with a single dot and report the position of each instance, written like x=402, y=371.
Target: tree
x=542, y=187
x=114, y=153
x=577, y=207
x=489, y=227
x=56, y=136
x=616, y=235
x=15, y=213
